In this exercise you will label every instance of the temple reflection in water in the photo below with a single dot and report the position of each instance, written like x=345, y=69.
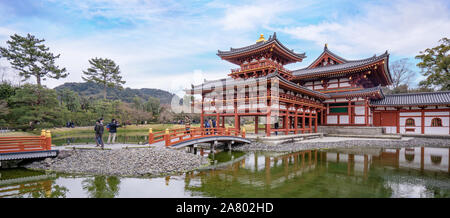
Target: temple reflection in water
x=343, y=172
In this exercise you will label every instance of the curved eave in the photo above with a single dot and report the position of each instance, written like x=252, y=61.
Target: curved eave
x=273, y=42
x=337, y=72
x=326, y=51
x=302, y=89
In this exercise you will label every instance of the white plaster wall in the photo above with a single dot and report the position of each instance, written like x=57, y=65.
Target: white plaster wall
x=391, y=129
x=417, y=121
x=318, y=87
x=332, y=119
x=329, y=100
x=343, y=79
x=334, y=85
x=333, y=80
x=343, y=119
x=390, y=108
x=444, y=121
x=417, y=130
x=360, y=120
x=410, y=114
x=341, y=99
x=436, y=130
x=344, y=84
x=308, y=83
x=436, y=113
x=360, y=110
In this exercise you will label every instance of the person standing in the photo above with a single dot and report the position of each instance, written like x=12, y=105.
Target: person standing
x=99, y=133
x=112, y=131
x=187, y=124
x=214, y=126
x=95, y=130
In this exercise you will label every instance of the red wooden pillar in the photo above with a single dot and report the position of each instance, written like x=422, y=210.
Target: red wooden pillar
x=310, y=120
x=296, y=121
x=398, y=120
x=350, y=111
x=366, y=111
x=268, y=116
x=423, y=121
x=286, y=120
x=326, y=114
x=202, y=118
x=256, y=124
x=315, y=123
x=303, y=119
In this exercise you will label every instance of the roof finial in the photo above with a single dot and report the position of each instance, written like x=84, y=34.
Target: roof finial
x=326, y=45
x=261, y=38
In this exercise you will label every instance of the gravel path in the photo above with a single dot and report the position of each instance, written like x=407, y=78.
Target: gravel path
x=122, y=162
x=292, y=147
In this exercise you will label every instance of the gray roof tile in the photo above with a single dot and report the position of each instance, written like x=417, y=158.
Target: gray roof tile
x=414, y=99
x=337, y=67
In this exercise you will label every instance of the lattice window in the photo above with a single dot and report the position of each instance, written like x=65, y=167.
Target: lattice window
x=436, y=122
x=410, y=122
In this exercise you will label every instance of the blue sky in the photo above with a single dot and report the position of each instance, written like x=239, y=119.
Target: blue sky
x=171, y=44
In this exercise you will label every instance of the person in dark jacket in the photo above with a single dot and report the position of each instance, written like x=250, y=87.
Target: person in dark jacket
x=99, y=133
x=112, y=130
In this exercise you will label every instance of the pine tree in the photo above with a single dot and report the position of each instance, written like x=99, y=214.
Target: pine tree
x=32, y=58
x=105, y=72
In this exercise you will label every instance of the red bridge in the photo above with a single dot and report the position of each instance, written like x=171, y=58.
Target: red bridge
x=182, y=137
x=26, y=147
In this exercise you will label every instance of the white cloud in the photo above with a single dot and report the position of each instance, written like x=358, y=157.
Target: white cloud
x=402, y=27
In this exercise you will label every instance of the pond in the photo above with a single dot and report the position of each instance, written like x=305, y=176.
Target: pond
x=421, y=172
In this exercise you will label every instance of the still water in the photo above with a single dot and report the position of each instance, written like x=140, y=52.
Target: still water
x=351, y=172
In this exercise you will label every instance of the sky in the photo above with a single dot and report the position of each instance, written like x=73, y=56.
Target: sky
x=171, y=44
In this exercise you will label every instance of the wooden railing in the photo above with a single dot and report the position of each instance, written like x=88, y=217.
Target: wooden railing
x=174, y=136
x=26, y=143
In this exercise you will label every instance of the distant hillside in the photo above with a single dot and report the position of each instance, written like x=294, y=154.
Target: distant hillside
x=91, y=89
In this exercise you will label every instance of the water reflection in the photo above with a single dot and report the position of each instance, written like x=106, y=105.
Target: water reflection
x=345, y=172
x=102, y=186
x=29, y=184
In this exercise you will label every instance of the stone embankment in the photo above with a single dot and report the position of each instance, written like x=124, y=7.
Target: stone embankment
x=122, y=162
x=292, y=147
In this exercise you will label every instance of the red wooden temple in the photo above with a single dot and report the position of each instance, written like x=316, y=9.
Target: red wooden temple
x=331, y=91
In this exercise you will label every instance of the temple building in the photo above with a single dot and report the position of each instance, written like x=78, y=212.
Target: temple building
x=332, y=91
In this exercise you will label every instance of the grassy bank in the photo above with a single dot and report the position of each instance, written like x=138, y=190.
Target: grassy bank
x=58, y=132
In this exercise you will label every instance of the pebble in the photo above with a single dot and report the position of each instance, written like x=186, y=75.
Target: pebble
x=122, y=162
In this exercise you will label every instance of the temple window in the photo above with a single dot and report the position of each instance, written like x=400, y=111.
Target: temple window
x=410, y=122
x=435, y=122
x=339, y=108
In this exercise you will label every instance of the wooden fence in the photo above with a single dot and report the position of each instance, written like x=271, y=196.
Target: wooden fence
x=26, y=143
x=174, y=136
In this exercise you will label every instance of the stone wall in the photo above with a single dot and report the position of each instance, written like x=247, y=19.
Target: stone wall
x=351, y=130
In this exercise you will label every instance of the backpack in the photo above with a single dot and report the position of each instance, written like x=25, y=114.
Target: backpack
x=107, y=127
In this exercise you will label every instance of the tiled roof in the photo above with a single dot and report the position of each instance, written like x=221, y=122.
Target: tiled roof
x=327, y=51
x=271, y=40
x=358, y=93
x=338, y=67
x=229, y=82
x=414, y=99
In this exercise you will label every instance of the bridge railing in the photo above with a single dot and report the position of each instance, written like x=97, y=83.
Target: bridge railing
x=26, y=143
x=174, y=136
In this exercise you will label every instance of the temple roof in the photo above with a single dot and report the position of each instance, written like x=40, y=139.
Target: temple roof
x=228, y=82
x=414, y=99
x=339, y=67
x=262, y=44
x=374, y=91
x=326, y=51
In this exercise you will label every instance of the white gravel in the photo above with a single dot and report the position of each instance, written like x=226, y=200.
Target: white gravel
x=123, y=162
